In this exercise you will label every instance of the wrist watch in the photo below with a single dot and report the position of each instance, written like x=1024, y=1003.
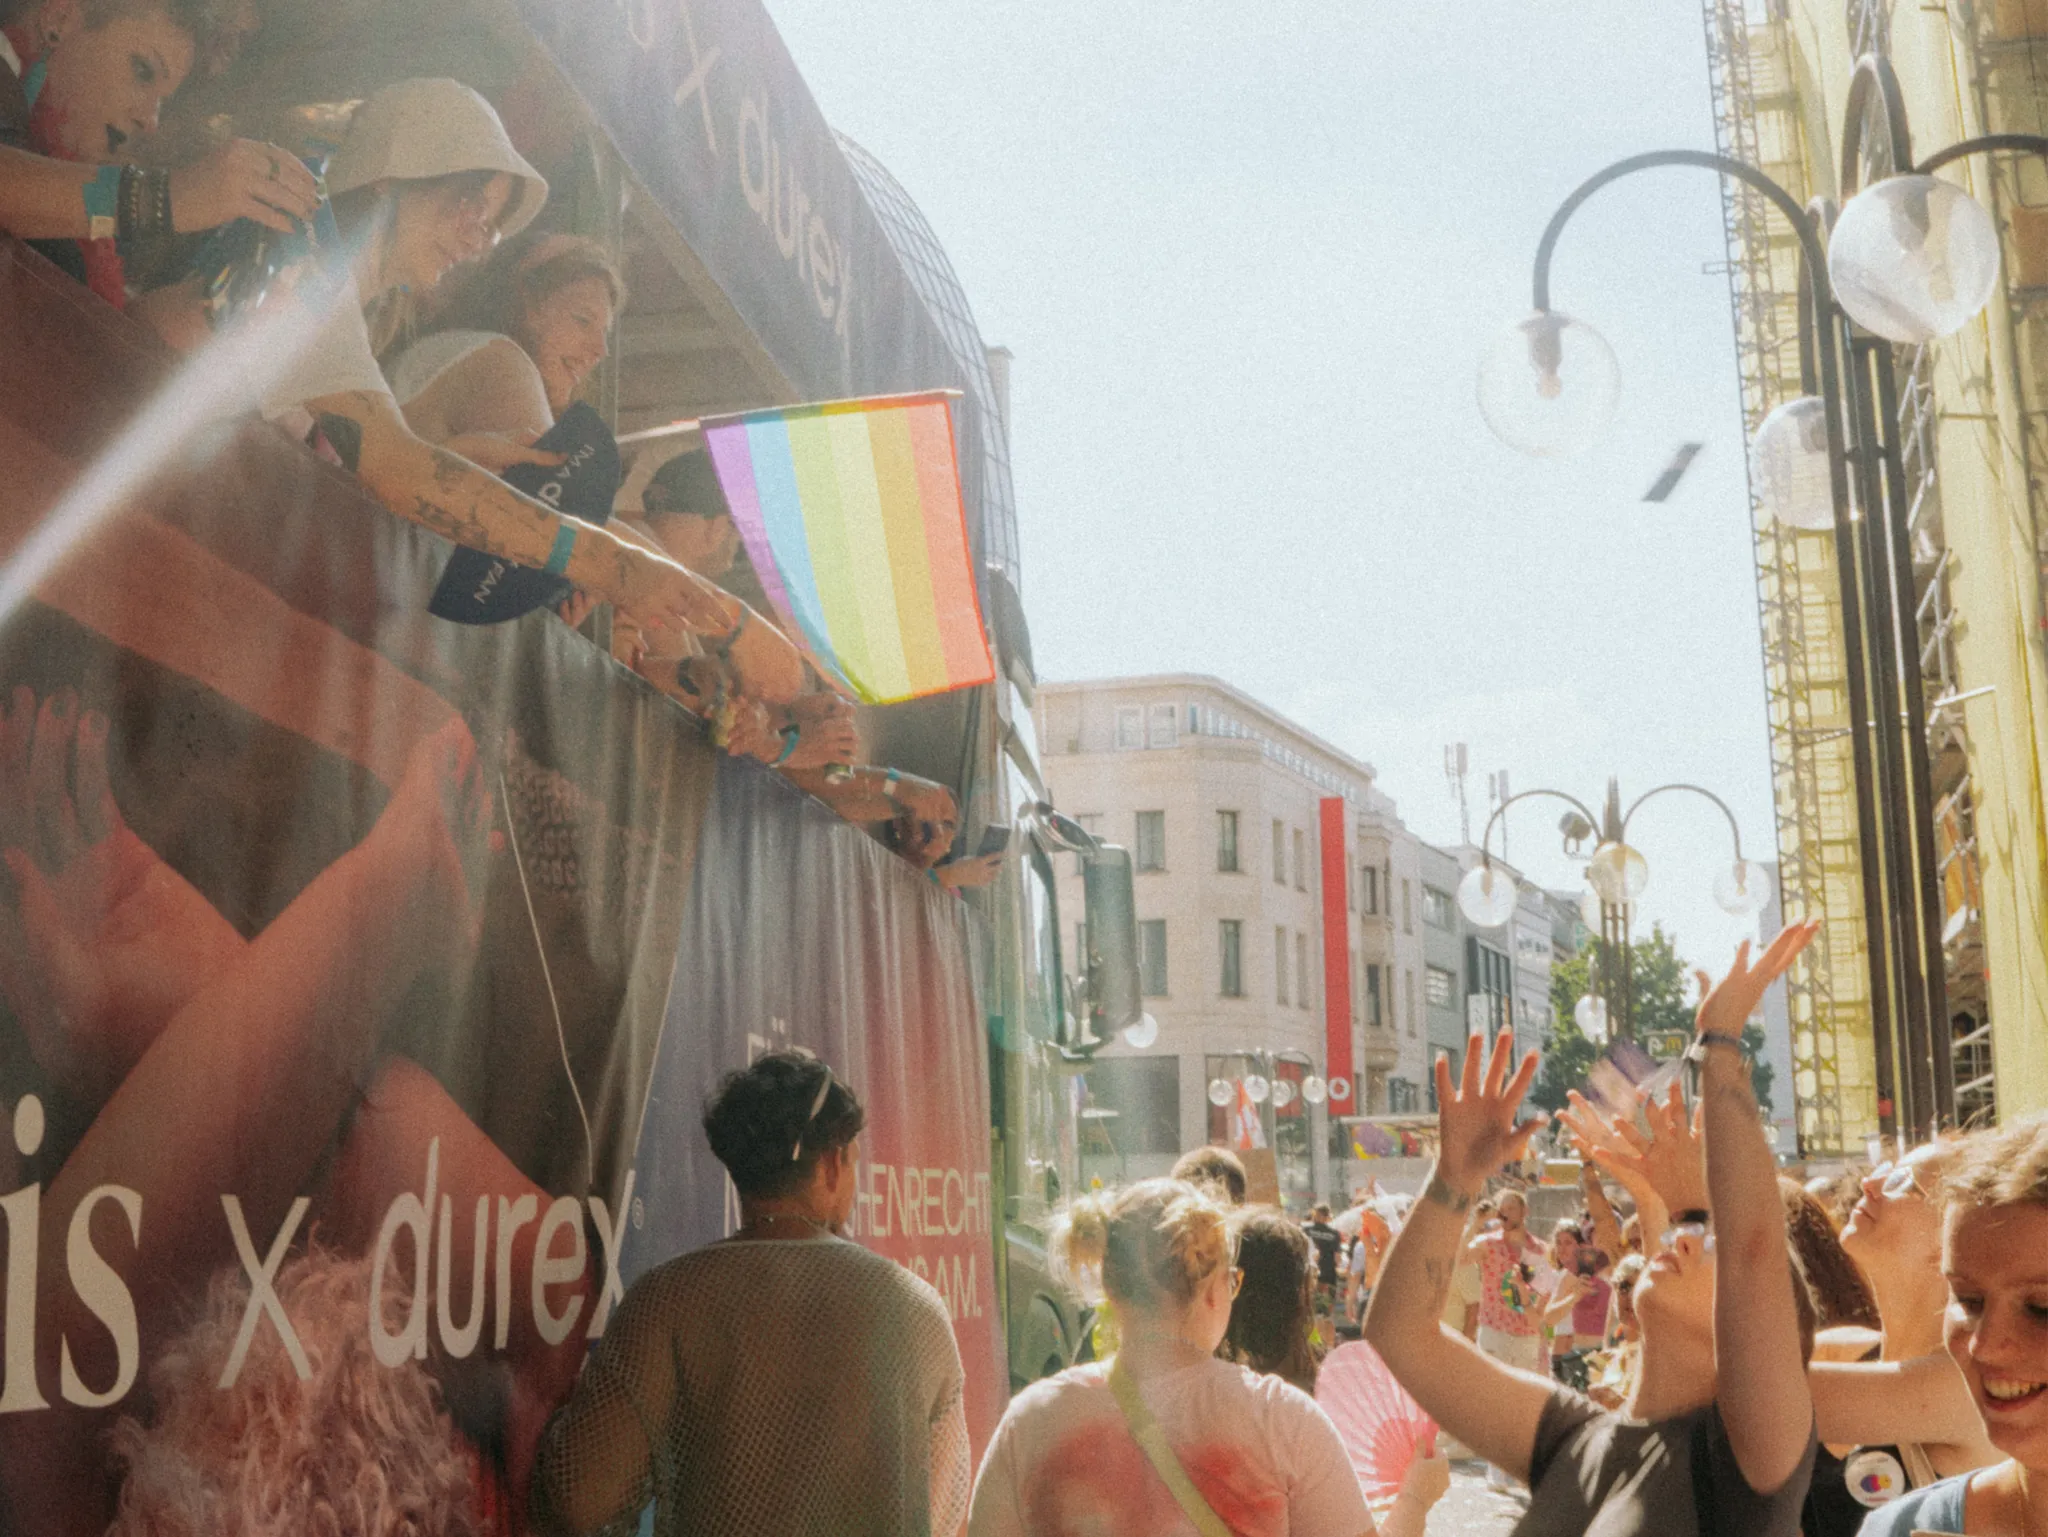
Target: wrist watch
x=1704, y=1043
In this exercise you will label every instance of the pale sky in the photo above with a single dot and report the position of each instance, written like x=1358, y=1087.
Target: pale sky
x=1248, y=258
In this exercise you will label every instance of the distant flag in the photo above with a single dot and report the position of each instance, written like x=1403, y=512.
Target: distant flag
x=852, y=517
x=1250, y=1134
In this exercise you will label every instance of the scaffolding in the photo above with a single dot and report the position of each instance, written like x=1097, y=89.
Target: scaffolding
x=2003, y=50
x=1756, y=120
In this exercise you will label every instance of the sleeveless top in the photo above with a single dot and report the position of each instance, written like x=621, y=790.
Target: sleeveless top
x=430, y=357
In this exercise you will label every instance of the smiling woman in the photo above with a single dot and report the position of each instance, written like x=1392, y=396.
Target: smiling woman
x=1995, y=1256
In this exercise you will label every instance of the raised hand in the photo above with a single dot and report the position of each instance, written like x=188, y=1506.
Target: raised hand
x=103, y=942
x=1725, y=1006
x=1668, y=1159
x=1477, y=1132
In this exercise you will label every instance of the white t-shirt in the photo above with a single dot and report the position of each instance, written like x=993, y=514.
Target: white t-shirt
x=335, y=359
x=1063, y=1462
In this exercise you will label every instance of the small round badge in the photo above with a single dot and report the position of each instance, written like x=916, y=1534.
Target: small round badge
x=1874, y=1477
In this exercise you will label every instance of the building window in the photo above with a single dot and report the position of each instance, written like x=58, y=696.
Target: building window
x=1373, y=1015
x=1300, y=862
x=1130, y=727
x=1369, y=888
x=1407, y=907
x=1279, y=965
x=1442, y=987
x=1230, y=944
x=1411, y=1003
x=1301, y=994
x=1279, y=852
x=1152, y=957
x=1436, y=908
x=1150, y=850
x=1226, y=842
x=1162, y=725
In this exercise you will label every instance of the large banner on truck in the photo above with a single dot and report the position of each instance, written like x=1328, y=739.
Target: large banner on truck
x=802, y=933
x=350, y=961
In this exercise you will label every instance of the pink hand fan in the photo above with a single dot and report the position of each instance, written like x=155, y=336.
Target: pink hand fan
x=1382, y=1428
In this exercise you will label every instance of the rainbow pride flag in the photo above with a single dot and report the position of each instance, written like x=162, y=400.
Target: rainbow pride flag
x=851, y=515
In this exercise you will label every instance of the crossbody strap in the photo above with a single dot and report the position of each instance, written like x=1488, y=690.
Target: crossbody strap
x=1146, y=1432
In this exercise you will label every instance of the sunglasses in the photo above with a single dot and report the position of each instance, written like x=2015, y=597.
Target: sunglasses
x=796, y=1154
x=1697, y=1230
x=1899, y=1181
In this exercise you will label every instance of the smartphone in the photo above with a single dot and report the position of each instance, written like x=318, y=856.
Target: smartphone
x=995, y=839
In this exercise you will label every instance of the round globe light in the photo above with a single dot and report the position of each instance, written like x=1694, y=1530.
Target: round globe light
x=1221, y=1092
x=1913, y=258
x=1548, y=387
x=1788, y=465
x=1314, y=1090
x=1283, y=1093
x=1143, y=1033
x=1486, y=896
x=1618, y=873
x=1590, y=1014
x=1257, y=1090
x=1340, y=1091
x=1742, y=888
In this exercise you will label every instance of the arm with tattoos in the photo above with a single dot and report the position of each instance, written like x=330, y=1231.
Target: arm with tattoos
x=469, y=506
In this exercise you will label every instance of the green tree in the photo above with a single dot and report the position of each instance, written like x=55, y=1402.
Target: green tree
x=1658, y=972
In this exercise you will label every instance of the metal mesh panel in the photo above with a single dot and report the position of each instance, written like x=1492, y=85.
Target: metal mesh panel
x=802, y=1387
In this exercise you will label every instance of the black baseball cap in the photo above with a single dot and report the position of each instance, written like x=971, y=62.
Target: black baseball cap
x=688, y=486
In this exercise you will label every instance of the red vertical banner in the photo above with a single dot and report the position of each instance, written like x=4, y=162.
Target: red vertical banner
x=1336, y=941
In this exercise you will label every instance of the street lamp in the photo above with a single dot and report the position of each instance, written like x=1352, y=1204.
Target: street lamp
x=1909, y=259
x=1618, y=875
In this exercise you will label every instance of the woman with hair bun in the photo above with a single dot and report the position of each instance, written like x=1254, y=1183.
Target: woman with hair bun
x=1165, y=1439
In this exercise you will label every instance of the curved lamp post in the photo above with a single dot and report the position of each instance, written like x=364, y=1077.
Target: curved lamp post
x=1910, y=259
x=1617, y=876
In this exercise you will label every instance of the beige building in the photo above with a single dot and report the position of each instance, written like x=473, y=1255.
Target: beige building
x=1252, y=962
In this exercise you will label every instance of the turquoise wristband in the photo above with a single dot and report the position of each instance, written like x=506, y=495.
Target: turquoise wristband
x=791, y=735
x=103, y=203
x=565, y=546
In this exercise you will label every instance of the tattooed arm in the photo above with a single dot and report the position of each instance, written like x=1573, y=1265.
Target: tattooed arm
x=446, y=493
x=1491, y=1407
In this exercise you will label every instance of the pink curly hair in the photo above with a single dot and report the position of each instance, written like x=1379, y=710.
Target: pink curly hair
x=356, y=1450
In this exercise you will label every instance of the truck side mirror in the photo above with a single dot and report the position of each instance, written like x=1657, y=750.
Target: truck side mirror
x=1111, y=902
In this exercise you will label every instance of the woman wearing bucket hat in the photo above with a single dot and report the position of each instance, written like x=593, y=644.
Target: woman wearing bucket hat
x=425, y=180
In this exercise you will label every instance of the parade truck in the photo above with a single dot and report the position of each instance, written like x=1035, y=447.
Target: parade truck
x=363, y=974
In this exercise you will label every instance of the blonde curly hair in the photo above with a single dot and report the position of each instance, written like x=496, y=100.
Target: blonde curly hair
x=1150, y=1246
x=356, y=1450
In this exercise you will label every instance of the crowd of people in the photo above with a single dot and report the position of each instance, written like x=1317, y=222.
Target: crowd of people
x=428, y=343
x=1700, y=1345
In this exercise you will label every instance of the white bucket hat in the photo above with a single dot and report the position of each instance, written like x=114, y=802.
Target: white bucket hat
x=415, y=130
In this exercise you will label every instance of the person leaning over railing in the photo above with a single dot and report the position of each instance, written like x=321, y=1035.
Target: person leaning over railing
x=1718, y=1436
x=424, y=180
x=80, y=82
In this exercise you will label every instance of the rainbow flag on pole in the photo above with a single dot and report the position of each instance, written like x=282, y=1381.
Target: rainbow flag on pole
x=852, y=517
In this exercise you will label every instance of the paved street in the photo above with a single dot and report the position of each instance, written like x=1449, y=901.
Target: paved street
x=1471, y=1509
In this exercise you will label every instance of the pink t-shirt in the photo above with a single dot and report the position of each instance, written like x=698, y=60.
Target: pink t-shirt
x=1509, y=1298
x=1590, y=1316
x=1064, y=1464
